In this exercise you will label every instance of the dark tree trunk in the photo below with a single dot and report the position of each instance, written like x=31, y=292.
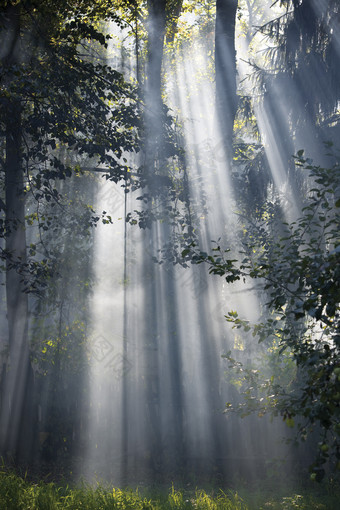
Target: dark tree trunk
x=16, y=424
x=156, y=34
x=153, y=157
x=225, y=68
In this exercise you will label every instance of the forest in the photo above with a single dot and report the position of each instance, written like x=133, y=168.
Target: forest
x=169, y=254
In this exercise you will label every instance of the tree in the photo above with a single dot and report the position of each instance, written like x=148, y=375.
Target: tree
x=16, y=392
x=156, y=35
x=299, y=275
x=225, y=68
x=78, y=117
x=306, y=66
x=52, y=96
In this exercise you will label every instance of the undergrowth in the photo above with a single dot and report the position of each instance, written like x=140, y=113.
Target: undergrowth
x=18, y=493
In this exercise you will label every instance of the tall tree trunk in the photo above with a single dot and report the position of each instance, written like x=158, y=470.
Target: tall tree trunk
x=16, y=416
x=225, y=68
x=153, y=156
x=156, y=35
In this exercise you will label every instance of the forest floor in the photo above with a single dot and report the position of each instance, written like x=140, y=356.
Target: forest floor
x=20, y=493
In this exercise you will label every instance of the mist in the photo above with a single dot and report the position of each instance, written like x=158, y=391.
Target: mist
x=115, y=285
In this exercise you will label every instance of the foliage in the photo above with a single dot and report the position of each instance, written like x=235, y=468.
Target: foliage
x=79, y=116
x=18, y=493
x=299, y=274
x=251, y=178
x=305, y=56
x=75, y=110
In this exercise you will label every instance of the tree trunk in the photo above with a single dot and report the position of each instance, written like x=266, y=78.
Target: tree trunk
x=225, y=68
x=16, y=416
x=156, y=34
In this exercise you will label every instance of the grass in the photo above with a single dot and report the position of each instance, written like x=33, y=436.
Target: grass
x=18, y=493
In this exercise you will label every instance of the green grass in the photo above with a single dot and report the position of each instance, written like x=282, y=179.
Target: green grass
x=17, y=493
